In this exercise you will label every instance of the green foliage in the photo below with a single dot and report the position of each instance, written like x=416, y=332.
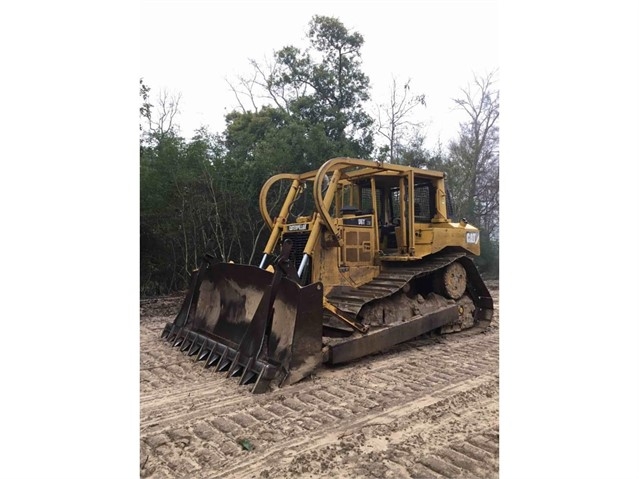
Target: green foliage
x=325, y=86
x=414, y=153
x=488, y=261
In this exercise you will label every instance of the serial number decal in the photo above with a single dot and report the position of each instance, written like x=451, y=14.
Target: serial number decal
x=472, y=237
x=297, y=227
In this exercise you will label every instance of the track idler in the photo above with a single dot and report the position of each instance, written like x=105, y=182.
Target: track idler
x=250, y=323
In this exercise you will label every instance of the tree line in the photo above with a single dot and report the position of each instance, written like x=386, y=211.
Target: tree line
x=303, y=106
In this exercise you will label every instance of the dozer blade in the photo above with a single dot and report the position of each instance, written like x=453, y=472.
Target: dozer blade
x=258, y=326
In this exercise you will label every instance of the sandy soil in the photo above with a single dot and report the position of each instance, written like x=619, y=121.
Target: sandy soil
x=424, y=409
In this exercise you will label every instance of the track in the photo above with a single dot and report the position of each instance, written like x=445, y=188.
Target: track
x=428, y=408
x=395, y=275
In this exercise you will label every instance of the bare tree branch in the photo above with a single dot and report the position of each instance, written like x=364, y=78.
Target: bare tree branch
x=397, y=116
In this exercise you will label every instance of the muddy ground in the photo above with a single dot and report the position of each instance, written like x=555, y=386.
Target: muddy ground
x=424, y=409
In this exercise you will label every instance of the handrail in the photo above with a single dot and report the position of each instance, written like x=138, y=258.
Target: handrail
x=323, y=202
x=264, y=192
x=280, y=220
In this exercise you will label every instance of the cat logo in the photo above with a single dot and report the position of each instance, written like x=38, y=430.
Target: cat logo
x=297, y=227
x=472, y=237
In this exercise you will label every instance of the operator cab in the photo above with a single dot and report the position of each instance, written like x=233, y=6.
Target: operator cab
x=391, y=204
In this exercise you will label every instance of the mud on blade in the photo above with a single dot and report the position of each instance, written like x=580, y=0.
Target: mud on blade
x=251, y=323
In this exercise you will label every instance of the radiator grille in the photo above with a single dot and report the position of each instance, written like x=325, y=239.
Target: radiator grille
x=299, y=243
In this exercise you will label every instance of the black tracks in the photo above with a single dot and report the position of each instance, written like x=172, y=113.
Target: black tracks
x=395, y=275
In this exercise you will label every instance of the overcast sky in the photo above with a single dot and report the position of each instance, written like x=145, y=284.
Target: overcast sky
x=194, y=47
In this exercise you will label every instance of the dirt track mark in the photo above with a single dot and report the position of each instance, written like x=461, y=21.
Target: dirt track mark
x=428, y=408
x=381, y=437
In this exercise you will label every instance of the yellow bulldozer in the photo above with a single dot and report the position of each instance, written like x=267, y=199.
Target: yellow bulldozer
x=362, y=255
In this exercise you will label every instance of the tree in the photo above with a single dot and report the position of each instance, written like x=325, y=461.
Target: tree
x=476, y=152
x=174, y=199
x=145, y=107
x=395, y=118
x=474, y=159
x=320, y=86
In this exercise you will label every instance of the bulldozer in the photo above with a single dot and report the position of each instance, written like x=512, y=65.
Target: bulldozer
x=362, y=255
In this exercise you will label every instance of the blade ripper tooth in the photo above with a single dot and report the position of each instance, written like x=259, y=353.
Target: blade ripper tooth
x=213, y=359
